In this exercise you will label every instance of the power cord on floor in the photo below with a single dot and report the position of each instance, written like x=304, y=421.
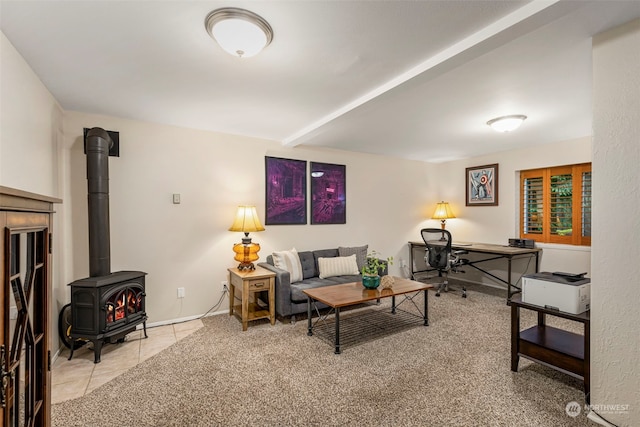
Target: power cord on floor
x=225, y=290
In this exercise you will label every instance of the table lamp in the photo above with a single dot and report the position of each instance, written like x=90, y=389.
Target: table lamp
x=246, y=221
x=443, y=213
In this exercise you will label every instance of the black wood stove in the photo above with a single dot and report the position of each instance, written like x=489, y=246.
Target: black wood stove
x=106, y=306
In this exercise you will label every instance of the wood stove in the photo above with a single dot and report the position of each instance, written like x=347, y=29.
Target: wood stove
x=105, y=306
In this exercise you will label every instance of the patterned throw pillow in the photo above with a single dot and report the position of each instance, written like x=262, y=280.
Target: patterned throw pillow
x=337, y=266
x=289, y=261
x=360, y=251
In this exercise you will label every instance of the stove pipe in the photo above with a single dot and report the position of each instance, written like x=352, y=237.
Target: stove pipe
x=97, y=148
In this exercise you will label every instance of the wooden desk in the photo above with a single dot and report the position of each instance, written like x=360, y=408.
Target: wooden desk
x=559, y=349
x=249, y=282
x=493, y=252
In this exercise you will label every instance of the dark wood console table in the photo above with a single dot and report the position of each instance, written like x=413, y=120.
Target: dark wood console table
x=556, y=348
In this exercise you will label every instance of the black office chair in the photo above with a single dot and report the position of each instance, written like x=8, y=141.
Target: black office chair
x=440, y=256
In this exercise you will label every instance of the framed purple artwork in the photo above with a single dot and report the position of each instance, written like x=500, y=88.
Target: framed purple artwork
x=328, y=194
x=286, y=193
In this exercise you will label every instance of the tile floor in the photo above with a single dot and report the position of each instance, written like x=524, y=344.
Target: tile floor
x=76, y=377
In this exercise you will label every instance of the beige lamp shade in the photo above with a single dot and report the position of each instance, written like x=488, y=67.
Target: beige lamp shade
x=246, y=252
x=246, y=220
x=443, y=213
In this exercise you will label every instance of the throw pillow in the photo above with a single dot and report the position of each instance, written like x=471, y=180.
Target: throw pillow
x=337, y=266
x=359, y=251
x=289, y=261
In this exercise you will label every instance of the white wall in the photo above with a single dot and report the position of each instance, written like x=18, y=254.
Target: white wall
x=30, y=130
x=615, y=315
x=189, y=245
x=496, y=224
x=30, y=125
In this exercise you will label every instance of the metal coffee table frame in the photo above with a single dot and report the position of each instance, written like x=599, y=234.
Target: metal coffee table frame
x=376, y=295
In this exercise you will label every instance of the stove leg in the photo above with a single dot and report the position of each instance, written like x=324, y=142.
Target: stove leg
x=97, y=349
x=144, y=328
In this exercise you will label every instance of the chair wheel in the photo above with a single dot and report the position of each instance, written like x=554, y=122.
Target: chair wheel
x=438, y=293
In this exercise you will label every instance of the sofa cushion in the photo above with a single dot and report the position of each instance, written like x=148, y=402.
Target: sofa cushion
x=323, y=253
x=298, y=296
x=289, y=261
x=359, y=251
x=337, y=266
x=308, y=264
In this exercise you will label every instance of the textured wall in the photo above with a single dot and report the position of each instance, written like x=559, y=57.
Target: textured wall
x=615, y=363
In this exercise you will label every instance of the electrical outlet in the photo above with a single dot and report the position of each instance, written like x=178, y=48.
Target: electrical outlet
x=403, y=263
x=225, y=286
x=181, y=292
x=13, y=313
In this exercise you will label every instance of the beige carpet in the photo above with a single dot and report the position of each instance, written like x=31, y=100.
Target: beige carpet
x=455, y=372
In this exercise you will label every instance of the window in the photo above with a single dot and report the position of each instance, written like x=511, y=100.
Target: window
x=556, y=204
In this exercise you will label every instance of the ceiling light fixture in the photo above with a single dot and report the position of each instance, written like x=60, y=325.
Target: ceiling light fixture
x=238, y=31
x=506, y=123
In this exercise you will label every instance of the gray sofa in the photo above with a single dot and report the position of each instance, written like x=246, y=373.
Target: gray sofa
x=290, y=299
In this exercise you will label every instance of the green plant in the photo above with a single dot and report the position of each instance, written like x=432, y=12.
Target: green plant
x=374, y=265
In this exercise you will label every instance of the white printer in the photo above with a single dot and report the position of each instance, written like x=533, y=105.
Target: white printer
x=566, y=292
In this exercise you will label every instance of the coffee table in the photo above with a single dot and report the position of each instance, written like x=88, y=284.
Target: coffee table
x=349, y=294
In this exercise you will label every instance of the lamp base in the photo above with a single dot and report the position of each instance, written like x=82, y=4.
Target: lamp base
x=246, y=254
x=443, y=224
x=246, y=266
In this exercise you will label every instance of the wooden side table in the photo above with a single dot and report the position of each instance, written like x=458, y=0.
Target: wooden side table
x=556, y=348
x=248, y=283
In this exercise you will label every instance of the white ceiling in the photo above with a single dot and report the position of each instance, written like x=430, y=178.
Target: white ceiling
x=410, y=79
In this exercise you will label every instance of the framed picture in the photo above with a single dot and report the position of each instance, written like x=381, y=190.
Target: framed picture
x=286, y=192
x=482, y=185
x=328, y=194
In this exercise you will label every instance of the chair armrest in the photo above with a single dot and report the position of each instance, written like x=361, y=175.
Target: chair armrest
x=282, y=288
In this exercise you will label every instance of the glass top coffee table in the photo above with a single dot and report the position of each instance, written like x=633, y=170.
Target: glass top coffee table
x=350, y=294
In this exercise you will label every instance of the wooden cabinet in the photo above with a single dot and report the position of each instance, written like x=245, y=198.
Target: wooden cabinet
x=565, y=351
x=25, y=267
x=248, y=284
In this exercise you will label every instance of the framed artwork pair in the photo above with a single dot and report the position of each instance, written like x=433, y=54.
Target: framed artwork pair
x=286, y=192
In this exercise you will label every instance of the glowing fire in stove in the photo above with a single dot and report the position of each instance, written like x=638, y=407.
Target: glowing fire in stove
x=123, y=304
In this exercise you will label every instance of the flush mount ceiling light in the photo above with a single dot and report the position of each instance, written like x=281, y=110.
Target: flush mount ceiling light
x=238, y=31
x=506, y=123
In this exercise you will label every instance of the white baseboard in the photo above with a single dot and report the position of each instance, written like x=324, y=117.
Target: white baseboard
x=597, y=419
x=491, y=285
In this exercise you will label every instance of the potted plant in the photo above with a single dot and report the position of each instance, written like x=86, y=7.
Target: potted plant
x=372, y=268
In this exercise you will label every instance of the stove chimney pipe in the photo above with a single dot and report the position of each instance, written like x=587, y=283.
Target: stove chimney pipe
x=98, y=143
